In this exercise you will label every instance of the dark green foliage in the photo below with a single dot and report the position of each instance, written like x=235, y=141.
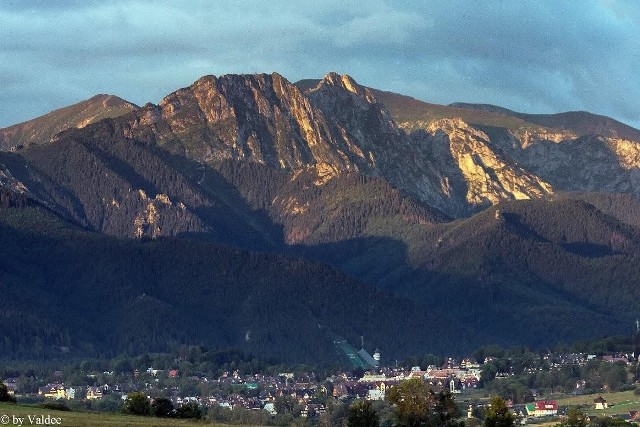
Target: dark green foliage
x=486, y=262
x=184, y=292
x=136, y=403
x=498, y=414
x=513, y=389
x=12, y=199
x=575, y=418
x=219, y=414
x=106, y=184
x=362, y=414
x=417, y=405
x=348, y=206
x=55, y=405
x=596, y=374
x=336, y=415
x=189, y=410
x=610, y=422
x=412, y=400
x=287, y=405
x=567, y=256
x=624, y=207
x=4, y=394
x=163, y=408
x=445, y=411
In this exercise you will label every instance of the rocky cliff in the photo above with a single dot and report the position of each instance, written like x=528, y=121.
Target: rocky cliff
x=457, y=159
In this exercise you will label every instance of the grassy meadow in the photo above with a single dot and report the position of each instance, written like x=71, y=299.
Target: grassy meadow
x=83, y=419
x=619, y=402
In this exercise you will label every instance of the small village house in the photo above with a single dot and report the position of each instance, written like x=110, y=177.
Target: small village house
x=600, y=403
x=94, y=393
x=53, y=391
x=542, y=408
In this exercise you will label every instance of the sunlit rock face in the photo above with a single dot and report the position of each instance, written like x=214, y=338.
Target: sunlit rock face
x=577, y=163
x=262, y=118
x=336, y=126
x=489, y=176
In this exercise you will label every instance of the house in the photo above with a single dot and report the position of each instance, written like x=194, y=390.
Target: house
x=340, y=391
x=70, y=393
x=94, y=393
x=469, y=363
x=270, y=407
x=542, y=408
x=630, y=417
x=154, y=372
x=173, y=373
x=600, y=403
x=451, y=363
x=52, y=391
x=470, y=382
x=11, y=384
x=417, y=373
x=372, y=378
x=615, y=359
x=377, y=393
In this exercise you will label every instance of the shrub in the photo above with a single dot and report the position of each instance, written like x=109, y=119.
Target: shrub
x=4, y=394
x=55, y=405
x=136, y=404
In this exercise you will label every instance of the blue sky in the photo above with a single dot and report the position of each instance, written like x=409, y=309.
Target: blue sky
x=531, y=56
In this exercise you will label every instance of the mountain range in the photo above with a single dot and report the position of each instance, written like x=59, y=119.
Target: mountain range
x=277, y=216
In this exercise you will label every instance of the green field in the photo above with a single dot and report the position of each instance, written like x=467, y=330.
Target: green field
x=82, y=419
x=619, y=402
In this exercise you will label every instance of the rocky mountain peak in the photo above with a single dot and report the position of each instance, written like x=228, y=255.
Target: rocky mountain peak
x=343, y=81
x=455, y=159
x=334, y=83
x=262, y=118
x=339, y=124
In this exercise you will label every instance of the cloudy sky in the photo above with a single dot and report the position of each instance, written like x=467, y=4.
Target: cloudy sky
x=530, y=56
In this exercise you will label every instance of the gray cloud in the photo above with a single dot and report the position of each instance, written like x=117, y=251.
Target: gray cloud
x=534, y=56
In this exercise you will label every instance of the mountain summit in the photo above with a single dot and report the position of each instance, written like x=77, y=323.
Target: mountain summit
x=42, y=129
x=486, y=218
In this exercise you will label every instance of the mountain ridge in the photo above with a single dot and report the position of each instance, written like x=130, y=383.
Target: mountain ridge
x=306, y=137
x=42, y=129
x=580, y=122
x=445, y=211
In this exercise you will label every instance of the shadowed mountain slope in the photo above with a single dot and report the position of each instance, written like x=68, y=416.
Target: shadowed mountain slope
x=101, y=295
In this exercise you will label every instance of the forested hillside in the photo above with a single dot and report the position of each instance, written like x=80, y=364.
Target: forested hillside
x=65, y=289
